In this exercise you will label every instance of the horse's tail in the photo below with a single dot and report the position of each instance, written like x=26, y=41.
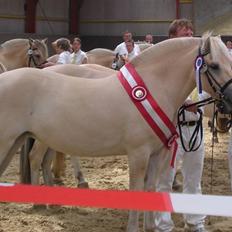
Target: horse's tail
x=25, y=168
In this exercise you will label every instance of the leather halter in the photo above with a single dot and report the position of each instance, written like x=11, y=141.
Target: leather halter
x=215, y=85
x=31, y=59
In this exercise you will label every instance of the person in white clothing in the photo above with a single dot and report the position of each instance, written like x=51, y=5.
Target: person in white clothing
x=131, y=52
x=62, y=48
x=192, y=162
x=78, y=56
x=125, y=57
x=230, y=158
x=229, y=46
x=149, y=38
x=121, y=48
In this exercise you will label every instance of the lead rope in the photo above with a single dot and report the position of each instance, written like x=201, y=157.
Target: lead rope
x=212, y=153
x=192, y=146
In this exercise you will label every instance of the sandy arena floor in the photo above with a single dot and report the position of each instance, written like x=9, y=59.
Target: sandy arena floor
x=108, y=173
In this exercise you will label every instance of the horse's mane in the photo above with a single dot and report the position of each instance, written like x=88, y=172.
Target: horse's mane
x=163, y=49
x=100, y=51
x=13, y=42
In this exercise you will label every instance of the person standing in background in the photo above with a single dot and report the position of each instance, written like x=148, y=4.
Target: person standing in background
x=78, y=56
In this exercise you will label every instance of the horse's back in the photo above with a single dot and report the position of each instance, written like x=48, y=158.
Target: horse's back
x=101, y=56
x=92, y=71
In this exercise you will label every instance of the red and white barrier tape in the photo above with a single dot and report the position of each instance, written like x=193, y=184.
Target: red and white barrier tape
x=127, y=200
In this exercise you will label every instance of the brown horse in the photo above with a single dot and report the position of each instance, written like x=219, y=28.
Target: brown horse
x=18, y=53
x=97, y=118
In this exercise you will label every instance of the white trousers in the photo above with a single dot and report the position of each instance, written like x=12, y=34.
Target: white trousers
x=191, y=168
x=230, y=157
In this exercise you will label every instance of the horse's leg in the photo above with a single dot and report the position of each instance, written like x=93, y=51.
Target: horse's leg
x=215, y=135
x=58, y=167
x=138, y=161
x=25, y=174
x=158, y=162
x=36, y=157
x=80, y=180
x=8, y=149
x=230, y=158
x=46, y=166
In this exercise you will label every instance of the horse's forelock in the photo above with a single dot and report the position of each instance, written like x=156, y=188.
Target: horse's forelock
x=218, y=49
x=41, y=46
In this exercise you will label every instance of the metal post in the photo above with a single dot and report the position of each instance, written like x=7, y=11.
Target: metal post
x=30, y=16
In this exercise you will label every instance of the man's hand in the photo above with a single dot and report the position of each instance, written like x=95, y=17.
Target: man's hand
x=192, y=108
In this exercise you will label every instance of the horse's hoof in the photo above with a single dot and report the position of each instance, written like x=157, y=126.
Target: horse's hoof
x=58, y=181
x=83, y=185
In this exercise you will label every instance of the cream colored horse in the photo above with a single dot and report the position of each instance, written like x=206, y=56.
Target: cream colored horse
x=101, y=56
x=96, y=117
x=41, y=155
x=18, y=53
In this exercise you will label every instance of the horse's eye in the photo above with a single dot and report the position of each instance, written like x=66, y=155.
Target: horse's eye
x=214, y=66
x=37, y=56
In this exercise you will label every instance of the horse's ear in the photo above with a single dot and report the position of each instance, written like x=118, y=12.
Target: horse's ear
x=205, y=48
x=31, y=41
x=45, y=40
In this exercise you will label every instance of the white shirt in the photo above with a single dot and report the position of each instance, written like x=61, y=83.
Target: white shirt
x=190, y=116
x=64, y=58
x=230, y=51
x=78, y=57
x=132, y=54
x=121, y=49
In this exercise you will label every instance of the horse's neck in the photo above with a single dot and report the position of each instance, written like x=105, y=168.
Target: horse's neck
x=171, y=80
x=14, y=57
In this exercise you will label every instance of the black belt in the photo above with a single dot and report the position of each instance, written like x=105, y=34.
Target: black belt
x=188, y=123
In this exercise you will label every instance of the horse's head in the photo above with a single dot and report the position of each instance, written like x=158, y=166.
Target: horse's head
x=217, y=68
x=37, y=52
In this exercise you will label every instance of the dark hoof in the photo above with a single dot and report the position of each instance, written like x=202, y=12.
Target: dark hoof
x=83, y=185
x=58, y=181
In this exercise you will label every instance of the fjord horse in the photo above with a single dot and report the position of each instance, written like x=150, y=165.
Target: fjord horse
x=18, y=53
x=97, y=117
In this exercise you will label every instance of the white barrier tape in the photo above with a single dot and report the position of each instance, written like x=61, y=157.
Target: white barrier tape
x=202, y=204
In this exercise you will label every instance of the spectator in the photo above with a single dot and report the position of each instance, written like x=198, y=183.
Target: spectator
x=62, y=47
x=78, y=56
x=121, y=48
x=192, y=162
x=149, y=38
x=229, y=46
